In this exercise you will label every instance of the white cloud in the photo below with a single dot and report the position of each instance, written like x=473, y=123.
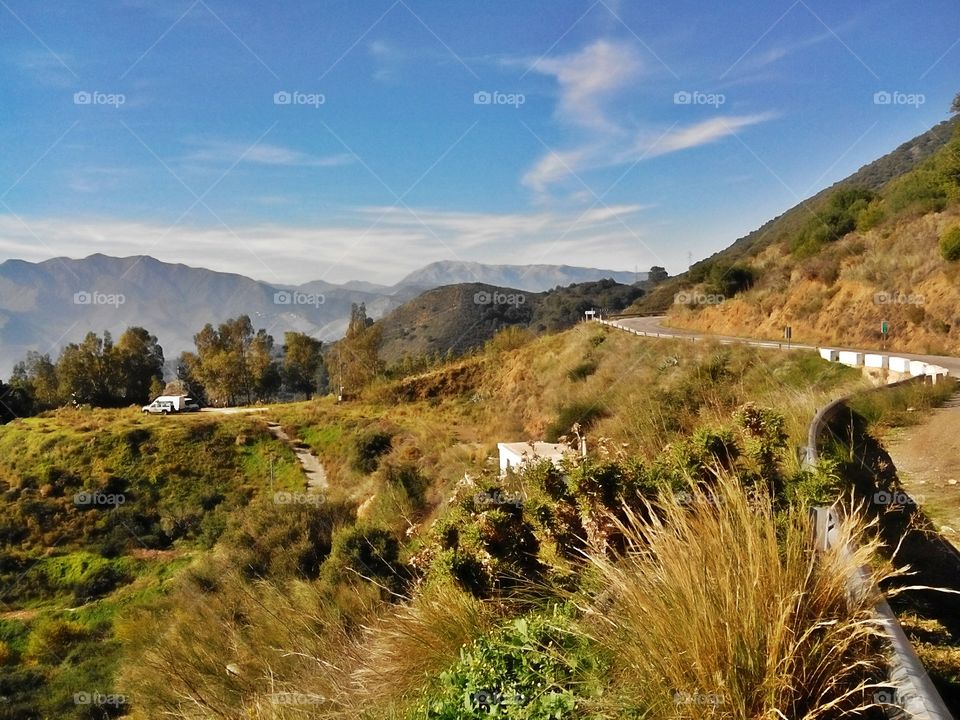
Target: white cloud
x=379, y=244
x=221, y=152
x=590, y=77
x=702, y=133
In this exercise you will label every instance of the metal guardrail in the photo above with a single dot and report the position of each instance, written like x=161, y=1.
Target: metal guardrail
x=916, y=696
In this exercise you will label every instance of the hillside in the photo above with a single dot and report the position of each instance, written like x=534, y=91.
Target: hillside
x=779, y=230
x=457, y=318
x=531, y=278
x=862, y=252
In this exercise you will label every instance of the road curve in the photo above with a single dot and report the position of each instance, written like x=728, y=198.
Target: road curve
x=654, y=326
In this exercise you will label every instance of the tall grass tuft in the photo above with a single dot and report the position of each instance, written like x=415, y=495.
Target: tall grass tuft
x=721, y=609
x=407, y=648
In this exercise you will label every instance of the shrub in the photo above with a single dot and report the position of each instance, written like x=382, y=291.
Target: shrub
x=582, y=413
x=950, y=244
x=582, y=370
x=536, y=668
x=368, y=553
x=367, y=450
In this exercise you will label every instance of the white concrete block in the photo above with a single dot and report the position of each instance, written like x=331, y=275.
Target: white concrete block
x=899, y=364
x=829, y=354
x=918, y=367
x=872, y=360
x=851, y=358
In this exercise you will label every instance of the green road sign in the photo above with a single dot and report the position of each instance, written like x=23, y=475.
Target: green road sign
x=884, y=327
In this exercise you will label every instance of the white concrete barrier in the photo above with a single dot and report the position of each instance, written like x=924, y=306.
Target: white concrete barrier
x=829, y=354
x=899, y=364
x=872, y=360
x=918, y=367
x=851, y=358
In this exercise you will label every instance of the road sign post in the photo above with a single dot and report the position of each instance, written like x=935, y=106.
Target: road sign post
x=787, y=334
x=884, y=330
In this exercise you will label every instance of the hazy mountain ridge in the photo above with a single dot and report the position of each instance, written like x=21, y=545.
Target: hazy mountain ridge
x=46, y=305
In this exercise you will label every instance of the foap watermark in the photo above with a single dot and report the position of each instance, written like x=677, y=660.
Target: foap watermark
x=698, y=698
x=99, y=698
x=484, y=97
x=97, y=498
x=85, y=97
x=696, y=97
x=498, y=298
x=883, y=497
x=489, y=700
x=895, y=97
x=496, y=497
x=295, y=297
x=94, y=297
x=296, y=698
x=297, y=498
x=897, y=298
x=887, y=696
x=693, y=298
x=284, y=97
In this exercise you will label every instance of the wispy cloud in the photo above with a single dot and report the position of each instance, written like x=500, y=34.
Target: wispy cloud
x=379, y=244
x=589, y=78
x=591, y=82
x=222, y=152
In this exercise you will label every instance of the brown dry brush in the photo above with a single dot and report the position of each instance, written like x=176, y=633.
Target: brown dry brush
x=720, y=609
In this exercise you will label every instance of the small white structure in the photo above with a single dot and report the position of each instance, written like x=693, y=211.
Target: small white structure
x=590, y=315
x=830, y=354
x=918, y=367
x=514, y=455
x=872, y=360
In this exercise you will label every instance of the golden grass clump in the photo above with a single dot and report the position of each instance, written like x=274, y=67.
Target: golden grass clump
x=720, y=609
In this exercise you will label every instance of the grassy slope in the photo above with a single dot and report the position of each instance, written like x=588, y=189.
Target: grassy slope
x=188, y=477
x=648, y=392
x=786, y=287
x=67, y=571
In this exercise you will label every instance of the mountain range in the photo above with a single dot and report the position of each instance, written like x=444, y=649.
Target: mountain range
x=45, y=305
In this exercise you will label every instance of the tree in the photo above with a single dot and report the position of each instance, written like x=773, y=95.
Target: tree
x=359, y=351
x=85, y=371
x=955, y=105
x=15, y=402
x=302, y=364
x=658, y=274
x=139, y=364
x=233, y=363
x=950, y=244
x=263, y=370
x=36, y=376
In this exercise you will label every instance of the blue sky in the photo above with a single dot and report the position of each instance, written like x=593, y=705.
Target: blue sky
x=339, y=140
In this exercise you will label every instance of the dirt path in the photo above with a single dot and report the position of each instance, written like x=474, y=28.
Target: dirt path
x=927, y=457
x=312, y=467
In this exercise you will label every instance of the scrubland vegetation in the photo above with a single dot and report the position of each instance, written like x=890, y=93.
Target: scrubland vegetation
x=422, y=585
x=833, y=268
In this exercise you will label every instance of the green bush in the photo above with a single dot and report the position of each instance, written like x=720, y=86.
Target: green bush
x=950, y=244
x=536, y=668
x=367, y=450
x=582, y=370
x=582, y=412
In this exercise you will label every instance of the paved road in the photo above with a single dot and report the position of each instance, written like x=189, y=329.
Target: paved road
x=654, y=326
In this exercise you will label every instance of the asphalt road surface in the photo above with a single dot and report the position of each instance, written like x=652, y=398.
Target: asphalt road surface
x=654, y=326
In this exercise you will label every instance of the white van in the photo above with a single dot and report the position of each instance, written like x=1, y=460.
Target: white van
x=167, y=404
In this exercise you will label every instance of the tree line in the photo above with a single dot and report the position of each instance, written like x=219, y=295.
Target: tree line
x=232, y=363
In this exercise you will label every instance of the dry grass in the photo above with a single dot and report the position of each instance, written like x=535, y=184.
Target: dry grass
x=717, y=610
x=407, y=649
x=902, y=257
